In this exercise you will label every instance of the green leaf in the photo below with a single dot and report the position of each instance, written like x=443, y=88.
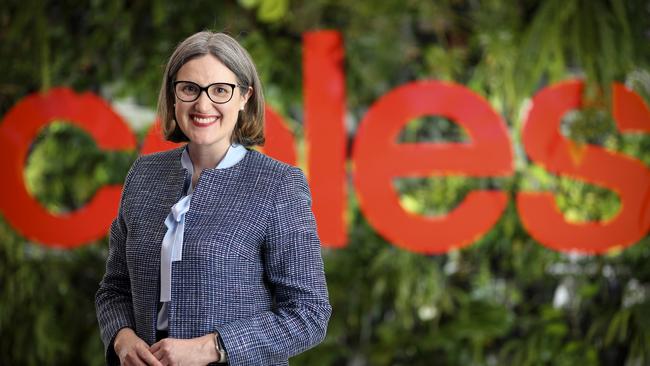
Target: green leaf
x=271, y=11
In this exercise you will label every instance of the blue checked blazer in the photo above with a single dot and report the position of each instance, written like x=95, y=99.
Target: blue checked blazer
x=251, y=265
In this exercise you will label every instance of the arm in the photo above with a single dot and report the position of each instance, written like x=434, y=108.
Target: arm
x=294, y=268
x=113, y=299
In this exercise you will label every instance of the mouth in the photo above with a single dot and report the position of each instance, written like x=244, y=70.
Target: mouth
x=202, y=120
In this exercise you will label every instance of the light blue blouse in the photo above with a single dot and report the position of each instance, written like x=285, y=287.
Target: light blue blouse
x=172, y=245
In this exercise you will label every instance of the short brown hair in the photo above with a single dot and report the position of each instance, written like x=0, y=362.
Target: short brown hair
x=249, y=130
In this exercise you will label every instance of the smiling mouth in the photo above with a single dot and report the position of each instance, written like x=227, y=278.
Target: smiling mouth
x=201, y=121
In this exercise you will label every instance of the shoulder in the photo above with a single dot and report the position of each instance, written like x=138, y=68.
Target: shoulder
x=160, y=159
x=287, y=180
x=274, y=169
x=153, y=167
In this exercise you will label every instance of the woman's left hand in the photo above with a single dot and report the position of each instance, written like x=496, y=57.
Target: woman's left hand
x=186, y=352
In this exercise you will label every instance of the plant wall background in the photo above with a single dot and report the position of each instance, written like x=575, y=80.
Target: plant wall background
x=503, y=300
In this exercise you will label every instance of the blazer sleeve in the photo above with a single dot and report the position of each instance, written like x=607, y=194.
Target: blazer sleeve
x=113, y=301
x=294, y=269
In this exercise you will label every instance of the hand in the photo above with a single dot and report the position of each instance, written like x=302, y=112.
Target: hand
x=132, y=350
x=195, y=351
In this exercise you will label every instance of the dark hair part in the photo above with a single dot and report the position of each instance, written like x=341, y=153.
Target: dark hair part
x=249, y=130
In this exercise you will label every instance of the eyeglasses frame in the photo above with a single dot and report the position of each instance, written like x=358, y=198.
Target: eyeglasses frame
x=205, y=89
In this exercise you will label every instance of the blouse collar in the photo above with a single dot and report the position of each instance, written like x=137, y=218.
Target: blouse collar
x=234, y=154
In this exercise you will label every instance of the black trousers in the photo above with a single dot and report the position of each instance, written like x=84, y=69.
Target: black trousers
x=160, y=334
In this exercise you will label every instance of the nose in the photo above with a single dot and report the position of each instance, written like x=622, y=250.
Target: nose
x=203, y=103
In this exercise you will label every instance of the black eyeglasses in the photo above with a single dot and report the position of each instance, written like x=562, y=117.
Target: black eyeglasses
x=219, y=93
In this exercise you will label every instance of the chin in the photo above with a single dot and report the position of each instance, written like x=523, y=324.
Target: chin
x=206, y=142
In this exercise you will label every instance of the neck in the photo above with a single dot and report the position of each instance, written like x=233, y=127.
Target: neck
x=206, y=157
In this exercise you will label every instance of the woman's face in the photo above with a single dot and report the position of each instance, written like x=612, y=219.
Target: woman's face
x=206, y=124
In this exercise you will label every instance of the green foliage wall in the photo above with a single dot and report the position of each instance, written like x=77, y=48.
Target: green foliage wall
x=496, y=302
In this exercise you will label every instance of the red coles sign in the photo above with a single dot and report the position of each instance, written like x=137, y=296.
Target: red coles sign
x=377, y=159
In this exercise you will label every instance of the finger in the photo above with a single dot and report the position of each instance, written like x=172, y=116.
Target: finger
x=159, y=354
x=133, y=360
x=166, y=361
x=155, y=347
x=148, y=357
x=158, y=349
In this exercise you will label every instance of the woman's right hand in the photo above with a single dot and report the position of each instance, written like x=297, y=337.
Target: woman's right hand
x=132, y=350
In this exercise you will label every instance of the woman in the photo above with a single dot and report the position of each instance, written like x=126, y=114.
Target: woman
x=214, y=255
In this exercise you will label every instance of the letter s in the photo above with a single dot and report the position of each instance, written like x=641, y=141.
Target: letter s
x=626, y=176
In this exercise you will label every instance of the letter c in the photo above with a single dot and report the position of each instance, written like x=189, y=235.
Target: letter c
x=18, y=130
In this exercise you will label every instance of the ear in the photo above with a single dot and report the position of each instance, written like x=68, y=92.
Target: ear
x=244, y=98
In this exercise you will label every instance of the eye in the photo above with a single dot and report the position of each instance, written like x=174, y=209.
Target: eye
x=222, y=90
x=190, y=89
